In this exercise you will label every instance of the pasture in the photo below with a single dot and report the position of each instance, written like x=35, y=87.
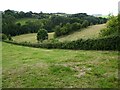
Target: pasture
x=32, y=37
x=54, y=68
x=90, y=32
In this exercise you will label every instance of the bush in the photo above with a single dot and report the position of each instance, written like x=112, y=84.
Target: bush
x=66, y=29
x=42, y=35
x=57, y=31
x=3, y=37
x=85, y=24
x=106, y=43
x=112, y=27
x=10, y=38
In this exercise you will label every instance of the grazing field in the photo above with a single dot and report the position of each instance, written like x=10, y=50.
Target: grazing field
x=24, y=20
x=50, y=68
x=90, y=32
x=30, y=37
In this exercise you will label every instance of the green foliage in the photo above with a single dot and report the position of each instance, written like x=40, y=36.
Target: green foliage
x=85, y=24
x=75, y=26
x=106, y=43
x=42, y=35
x=57, y=31
x=3, y=37
x=66, y=29
x=36, y=21
x=112, y=27
x=10, y=38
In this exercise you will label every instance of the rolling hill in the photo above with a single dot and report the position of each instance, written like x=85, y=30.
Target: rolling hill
x=30, y=37
x=90, y=32
x=29, y=67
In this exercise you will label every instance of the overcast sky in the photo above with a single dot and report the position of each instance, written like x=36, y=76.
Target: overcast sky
x=66, y=6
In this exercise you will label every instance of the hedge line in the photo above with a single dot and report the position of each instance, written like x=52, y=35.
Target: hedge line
x=106, y=43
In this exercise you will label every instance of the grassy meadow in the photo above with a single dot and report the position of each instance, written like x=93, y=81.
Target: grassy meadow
x=32, y=37
x=54, y=68
x=90, y=32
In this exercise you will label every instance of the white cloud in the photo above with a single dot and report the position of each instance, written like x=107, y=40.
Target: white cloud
x=67, y=6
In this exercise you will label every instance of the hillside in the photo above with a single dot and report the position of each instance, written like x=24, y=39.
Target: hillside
x=24, y=20
x=30, y=37
x=14, y=22
x=53, y=68
x=90, y=32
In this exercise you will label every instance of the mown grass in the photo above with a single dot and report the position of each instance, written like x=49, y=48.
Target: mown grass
x=32, y=37
x=90, y=32
x=54, y=68
x=24, y=20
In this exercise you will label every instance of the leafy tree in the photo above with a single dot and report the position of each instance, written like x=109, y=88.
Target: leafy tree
x=85, y=24
x=57, y=31
x=3, y=37
x=9, y=37
x=42, y=35
x=76, y=26
x=112, y=27
x=66, y=23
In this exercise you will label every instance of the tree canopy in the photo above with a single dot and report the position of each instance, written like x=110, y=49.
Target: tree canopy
x=42, y=35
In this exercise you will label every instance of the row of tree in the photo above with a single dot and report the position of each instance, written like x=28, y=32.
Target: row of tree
x=68, y=28
x=22, y=14
x=50, y=22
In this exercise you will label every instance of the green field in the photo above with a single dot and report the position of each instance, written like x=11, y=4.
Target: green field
x=30, y=37
x=50, y=68
x=90, y=32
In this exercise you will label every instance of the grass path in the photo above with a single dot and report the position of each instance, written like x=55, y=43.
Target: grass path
x=49, y=68
x=90, y=32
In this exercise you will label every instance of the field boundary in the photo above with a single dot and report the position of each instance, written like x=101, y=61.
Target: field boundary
x=106, y=43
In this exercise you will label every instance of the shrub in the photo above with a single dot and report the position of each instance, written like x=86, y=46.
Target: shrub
x=42, y=35
x=3, y=37
x=85, y=24
x=106, y=43
x=66, y=29
x=10, y=38
x=57, y=31
x=112, y=27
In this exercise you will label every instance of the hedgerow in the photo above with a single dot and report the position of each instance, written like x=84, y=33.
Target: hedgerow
x=106, y=43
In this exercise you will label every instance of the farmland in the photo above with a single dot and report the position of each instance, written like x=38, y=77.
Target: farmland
x=50, y=68
x=30, y=37
x=90, y=32
x=59, y=50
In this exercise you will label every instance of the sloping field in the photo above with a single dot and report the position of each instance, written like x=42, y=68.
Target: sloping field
x=90, y=32
x=49, y=68
x=30, y=37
